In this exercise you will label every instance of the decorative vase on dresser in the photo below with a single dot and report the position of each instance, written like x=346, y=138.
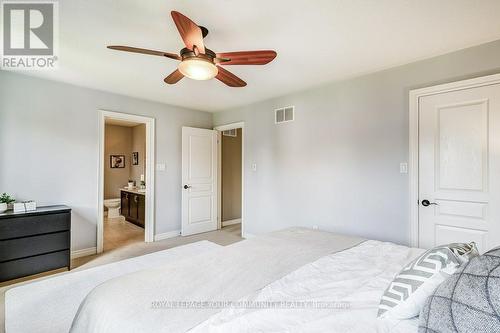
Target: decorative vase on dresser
x=34, y=242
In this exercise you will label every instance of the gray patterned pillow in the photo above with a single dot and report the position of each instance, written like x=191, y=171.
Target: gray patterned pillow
x=469, y=301
x=407, y=293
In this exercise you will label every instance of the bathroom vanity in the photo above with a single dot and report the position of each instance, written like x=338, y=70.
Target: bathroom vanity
x=133, y=206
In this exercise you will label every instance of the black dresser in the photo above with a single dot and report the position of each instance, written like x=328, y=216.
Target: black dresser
x=34, y=242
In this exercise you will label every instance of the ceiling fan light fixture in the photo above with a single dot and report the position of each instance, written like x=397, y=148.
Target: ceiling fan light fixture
x=199, y=62
x=198, y=69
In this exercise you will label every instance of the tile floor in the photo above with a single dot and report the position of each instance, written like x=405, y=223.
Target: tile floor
x=118, y=233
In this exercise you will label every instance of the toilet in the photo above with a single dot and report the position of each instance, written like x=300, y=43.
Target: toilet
x=113, y=206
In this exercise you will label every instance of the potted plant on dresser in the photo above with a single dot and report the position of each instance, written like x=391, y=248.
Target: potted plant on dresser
x=5, y=201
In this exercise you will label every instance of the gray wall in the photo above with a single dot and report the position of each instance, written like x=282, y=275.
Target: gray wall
x=117, y=141
x=139, y=146
x=337, y=165
x=231, y=176
x=49, y=148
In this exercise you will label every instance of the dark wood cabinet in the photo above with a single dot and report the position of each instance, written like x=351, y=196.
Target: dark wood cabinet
x=141, y=209
x=125, y=196
x=133, y=207
x=34, y=242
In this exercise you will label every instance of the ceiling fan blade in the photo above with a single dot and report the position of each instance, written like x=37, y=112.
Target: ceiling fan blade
x=190, y=32
x=229, y=78
x=173, y=78
x=246, y=57
x=144, y=51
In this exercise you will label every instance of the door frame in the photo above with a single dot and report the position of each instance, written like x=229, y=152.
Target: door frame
x=219, y=130
x=149, y=225
x=413, y=171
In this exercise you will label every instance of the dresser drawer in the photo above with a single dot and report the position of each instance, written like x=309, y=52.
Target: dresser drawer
x=17, y=268
x=33, y=245
x=31, y=225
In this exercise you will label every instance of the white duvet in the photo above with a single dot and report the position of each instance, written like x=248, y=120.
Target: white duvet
x=347, y=274
x=49, y=305
x=350, y=282
x=129, y=303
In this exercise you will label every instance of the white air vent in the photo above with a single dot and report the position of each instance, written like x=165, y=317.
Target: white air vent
x=284, y=115
x=232, y=132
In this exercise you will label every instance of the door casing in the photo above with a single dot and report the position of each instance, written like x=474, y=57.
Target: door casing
x=149, y=227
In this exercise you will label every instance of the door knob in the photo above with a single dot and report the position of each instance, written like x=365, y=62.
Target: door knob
x=426, y=203
x=186, y=187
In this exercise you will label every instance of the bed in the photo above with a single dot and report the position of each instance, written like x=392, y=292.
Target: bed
x=49, y=305
x=295, y=280
x=341, y=293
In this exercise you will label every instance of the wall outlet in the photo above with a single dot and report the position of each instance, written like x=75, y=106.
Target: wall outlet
x=254, y=166
x=403, y=167
x=161, y=167
x=315, y=227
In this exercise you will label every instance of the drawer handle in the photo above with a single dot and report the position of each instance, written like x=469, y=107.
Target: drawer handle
x=136, y=198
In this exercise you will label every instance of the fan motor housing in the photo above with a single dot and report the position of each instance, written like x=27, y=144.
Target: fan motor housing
x=187, y=53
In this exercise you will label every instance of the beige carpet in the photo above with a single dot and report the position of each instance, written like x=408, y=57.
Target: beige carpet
x=225, y=236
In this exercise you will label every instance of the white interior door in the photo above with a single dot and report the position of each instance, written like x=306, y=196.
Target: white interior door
x=199, y=180
x=459, y=167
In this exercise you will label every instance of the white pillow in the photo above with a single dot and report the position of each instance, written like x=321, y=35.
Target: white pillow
x=407, y=293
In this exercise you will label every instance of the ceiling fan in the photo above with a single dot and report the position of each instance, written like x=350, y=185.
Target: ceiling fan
x=199, y=62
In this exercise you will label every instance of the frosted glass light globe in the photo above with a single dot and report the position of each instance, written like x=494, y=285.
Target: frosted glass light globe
x=198, y=69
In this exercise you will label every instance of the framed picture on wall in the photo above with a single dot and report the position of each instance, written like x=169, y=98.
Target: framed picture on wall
x=135, y=158
x=117, y=161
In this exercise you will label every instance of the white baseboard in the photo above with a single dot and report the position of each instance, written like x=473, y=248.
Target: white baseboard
x=247, y=235
x=166, y=235
x=230, y=222
x=83, y=252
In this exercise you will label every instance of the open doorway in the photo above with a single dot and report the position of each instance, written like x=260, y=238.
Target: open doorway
x=125, y=180
x=231, y=178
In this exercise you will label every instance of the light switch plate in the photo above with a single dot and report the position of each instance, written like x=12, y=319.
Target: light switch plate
x=160, y=167
x=403, y=167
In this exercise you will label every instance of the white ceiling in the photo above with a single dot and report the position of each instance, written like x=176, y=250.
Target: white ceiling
x=317, y=41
